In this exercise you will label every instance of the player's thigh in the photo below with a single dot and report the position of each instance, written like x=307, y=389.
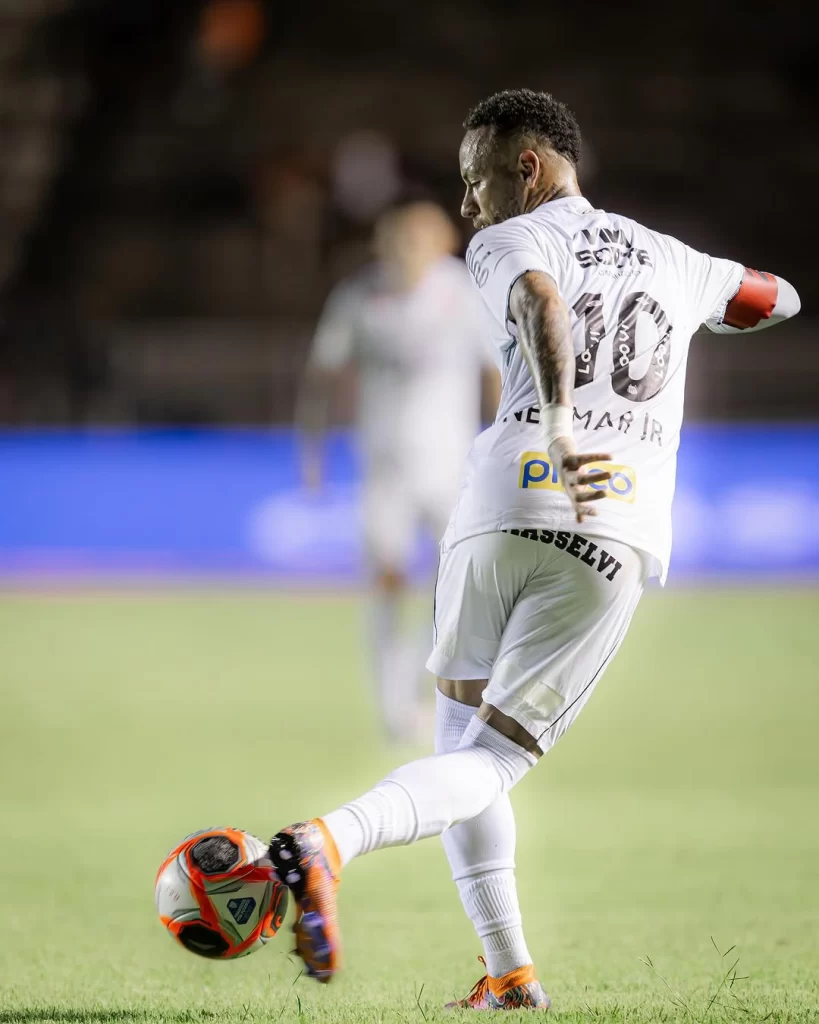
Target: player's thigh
x=563, y=631
x=390, y=523
x=479, y=580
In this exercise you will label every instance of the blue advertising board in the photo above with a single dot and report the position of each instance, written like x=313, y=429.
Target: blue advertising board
x=212, y=502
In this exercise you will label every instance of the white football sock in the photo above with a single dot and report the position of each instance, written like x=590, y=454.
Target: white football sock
x=451, y=720
x=423, y=798
x=491, y=903
x=481, y=854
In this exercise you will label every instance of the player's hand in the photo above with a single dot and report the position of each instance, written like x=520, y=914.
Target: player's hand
x=569, y=463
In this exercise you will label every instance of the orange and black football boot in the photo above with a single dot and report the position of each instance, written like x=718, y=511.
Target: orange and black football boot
x=307, y=862
x=518, y=990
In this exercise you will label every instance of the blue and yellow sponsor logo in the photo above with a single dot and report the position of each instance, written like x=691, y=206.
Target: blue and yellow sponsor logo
x=537, y=472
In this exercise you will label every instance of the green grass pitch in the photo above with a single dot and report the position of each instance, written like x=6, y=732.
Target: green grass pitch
x=677, y=819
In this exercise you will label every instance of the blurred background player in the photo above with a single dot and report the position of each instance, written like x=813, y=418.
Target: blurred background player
x=413, y=328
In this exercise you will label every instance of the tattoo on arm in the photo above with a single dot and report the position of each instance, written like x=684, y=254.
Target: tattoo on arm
x=545, y=336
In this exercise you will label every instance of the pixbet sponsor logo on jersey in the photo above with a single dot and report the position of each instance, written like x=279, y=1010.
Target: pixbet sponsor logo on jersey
x=538, y=473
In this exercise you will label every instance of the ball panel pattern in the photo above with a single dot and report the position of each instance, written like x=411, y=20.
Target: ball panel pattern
x=218, y=894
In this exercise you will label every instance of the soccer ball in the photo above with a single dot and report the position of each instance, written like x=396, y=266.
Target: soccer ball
x=218, y=894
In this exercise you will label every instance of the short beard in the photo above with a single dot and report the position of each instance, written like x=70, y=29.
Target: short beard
x=511, y=206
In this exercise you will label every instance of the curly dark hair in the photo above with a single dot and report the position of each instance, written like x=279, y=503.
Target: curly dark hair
x=524, y=111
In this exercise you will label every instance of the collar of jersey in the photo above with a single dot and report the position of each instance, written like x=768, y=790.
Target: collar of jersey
x=566, y=199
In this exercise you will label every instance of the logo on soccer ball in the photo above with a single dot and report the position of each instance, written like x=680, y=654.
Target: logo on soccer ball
x=241, y=910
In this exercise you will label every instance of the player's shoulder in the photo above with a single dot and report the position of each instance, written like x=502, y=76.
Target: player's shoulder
x=516, y=229
x=370, y=277
x=670, y=244
x=490, y=245
x=607, y=229
x=451, y=268
x=560, y=217
x=616, y=238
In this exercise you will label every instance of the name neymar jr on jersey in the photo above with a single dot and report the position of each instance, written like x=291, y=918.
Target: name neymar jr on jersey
x=648, y=429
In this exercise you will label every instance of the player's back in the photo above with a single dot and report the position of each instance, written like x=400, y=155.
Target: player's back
x=635, y=297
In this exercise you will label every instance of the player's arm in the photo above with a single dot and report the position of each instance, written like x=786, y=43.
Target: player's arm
x=545, y=337
x=761, y=300
x=332, y=349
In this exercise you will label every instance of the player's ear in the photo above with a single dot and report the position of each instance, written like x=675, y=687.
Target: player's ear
x=529, y=167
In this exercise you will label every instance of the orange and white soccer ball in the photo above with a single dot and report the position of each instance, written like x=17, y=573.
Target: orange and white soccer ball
x=218, y=894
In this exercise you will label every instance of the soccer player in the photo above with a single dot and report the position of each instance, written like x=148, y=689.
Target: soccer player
x=417, y=333
x=548, y=550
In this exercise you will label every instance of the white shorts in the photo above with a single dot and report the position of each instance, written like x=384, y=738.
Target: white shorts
x=539, y=614
x=395, y=506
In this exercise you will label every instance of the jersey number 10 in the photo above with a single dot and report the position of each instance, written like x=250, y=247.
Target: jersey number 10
x=589, y=308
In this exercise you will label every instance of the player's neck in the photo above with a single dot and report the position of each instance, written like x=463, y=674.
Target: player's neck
x=563, y=189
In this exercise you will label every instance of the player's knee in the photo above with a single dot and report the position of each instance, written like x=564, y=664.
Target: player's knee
x=509, y=728
x=446, y=793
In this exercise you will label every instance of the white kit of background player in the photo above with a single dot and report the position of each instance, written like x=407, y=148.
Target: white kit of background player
x=418, y=338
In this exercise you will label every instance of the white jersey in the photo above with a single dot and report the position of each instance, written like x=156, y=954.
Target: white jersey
x=419, y=355
x=635, y=298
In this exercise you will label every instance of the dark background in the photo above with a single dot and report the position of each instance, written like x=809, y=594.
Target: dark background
x=182, y=182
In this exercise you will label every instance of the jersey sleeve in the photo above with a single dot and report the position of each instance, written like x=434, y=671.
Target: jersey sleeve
x=499, y=255
x=713, y=282
x=335, y=336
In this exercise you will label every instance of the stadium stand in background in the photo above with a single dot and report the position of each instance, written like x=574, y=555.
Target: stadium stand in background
x=172, y=180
